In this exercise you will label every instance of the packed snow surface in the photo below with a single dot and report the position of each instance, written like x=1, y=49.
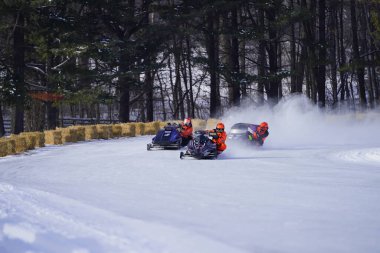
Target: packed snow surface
x=313, y=187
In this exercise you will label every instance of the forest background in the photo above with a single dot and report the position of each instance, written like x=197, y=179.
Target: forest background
x=146, y=60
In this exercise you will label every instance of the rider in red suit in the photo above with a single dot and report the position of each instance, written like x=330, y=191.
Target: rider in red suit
x=220, y=137
x=186, y=131
x=258, y=133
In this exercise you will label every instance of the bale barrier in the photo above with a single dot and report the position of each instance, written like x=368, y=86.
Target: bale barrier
x=16, y=144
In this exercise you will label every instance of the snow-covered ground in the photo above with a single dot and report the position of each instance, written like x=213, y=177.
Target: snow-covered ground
x=313, y=187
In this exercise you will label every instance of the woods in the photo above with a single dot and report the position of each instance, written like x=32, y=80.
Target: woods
x=146, y=60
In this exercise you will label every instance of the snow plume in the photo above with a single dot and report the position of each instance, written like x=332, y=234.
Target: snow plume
x=296, y=122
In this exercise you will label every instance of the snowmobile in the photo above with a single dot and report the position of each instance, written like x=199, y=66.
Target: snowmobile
x=239, y=131
x=167, y=138
x=201, y=146
x=239, y=134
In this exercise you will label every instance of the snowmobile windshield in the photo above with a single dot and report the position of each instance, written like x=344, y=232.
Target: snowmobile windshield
x=201, y=140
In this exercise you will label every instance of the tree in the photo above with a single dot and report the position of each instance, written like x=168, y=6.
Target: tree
x=321, y=78
x=357, y=61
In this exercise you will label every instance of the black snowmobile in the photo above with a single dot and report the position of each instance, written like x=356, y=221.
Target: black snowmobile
x=201, y=146
x=167, y=138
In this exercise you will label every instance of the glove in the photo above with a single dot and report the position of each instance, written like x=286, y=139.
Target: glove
x=213, y=135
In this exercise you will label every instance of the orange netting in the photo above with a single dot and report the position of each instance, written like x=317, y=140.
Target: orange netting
x=46, y=96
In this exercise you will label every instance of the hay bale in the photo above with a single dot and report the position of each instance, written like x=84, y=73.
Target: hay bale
x=80, y=132
x=199, y=124
x=40, y=139
x=7, y=146
x=157, y=126
x=104, y=131
x=68, y=135
x=11, y=146
x=152, y=128
x=3, y=147
x=140, y=128
x=128, y=129
x=109, y=131
x=117, y=130
x=20, y=143
x=211, y=123
x=31, y=139
x=53, y=137
x=90, y=132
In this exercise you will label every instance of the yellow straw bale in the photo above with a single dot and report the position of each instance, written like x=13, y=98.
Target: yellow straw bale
x=80, y=134
x=152, y=128
x=3, y=147
x=104, y=131
x=128, y=129
x=211, y=123
x=140, y=128
x=40, y=139
x=11, y=146
x=109, y=131
x=68, y=135
x=163, y=124
x=30, y=139
x=199, y=124
x=20, y=143
x=53, y=137
x=157, y=126
x=117, y=130
x=90, y=132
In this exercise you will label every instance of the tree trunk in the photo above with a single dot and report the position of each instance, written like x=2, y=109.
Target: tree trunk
x=234, y=59
x=177, y=83
x=174, y=91
x=192, y=105
x=162, y=97
x=309, y=43
x=293, y=57
x=149, y=79
x=213, y=62
x=322, y=54
x=124, y=87
x=272, y=87
x=18, y=73
x=363, y=42
x=185, y=82
x=300, y=70
x=358, y=63
x=372, y=57
x=345, y=92
x=2, y=129
x=333, y=65
x=261, y=60
x=242, y=64
x=52, y=115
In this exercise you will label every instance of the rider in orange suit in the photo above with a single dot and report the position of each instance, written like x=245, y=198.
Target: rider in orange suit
x=258, y=133
x=220, y=137
x=186, y=131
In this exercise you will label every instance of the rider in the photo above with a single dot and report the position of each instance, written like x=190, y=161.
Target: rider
x=219, y=137
x=186, y=131
x=258, y=133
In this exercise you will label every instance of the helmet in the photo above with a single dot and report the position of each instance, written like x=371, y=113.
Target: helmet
x=263, y=127
x=187, y=122
x=220, y=127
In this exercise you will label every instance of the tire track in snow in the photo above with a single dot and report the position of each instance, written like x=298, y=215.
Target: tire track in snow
x=368, y=155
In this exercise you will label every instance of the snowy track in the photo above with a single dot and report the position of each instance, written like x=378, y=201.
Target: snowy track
x=114, y=196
